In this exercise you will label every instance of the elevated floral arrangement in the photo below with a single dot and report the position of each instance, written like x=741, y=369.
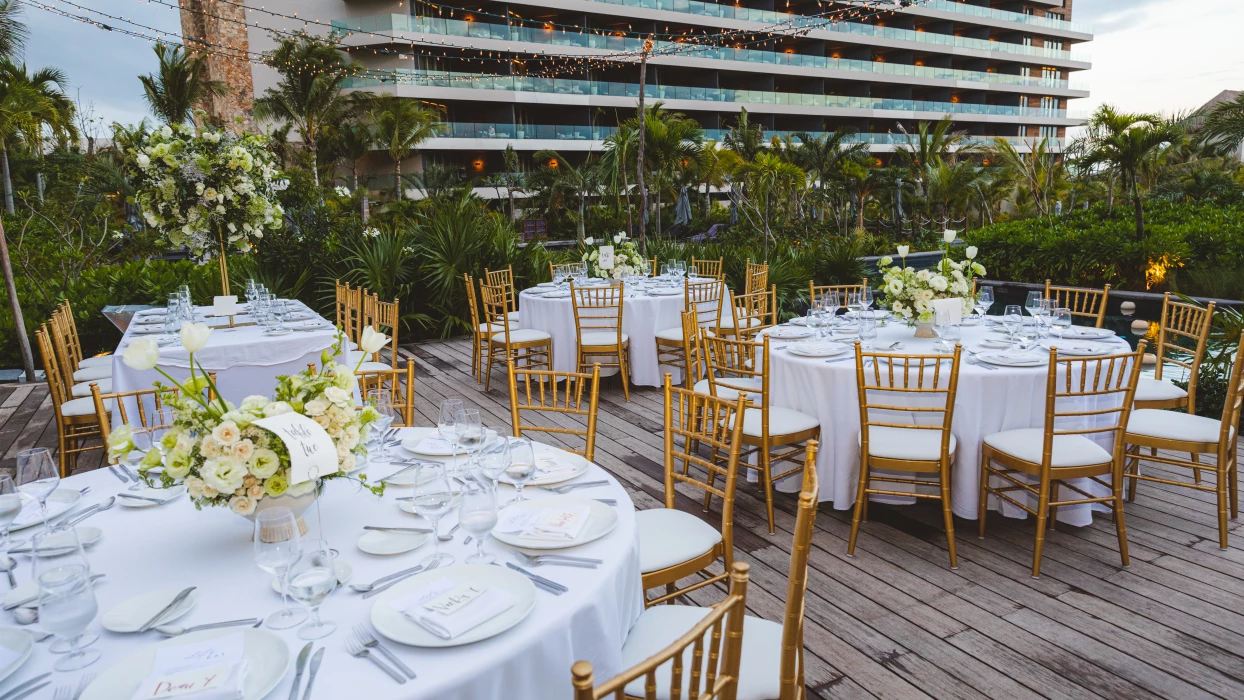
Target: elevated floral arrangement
x=215, y=449
x=910, y=293
x=627, y=261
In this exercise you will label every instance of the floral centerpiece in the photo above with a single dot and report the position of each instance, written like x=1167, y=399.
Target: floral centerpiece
x=627, y=262
x=206, y=188
x=911, y=293
x=215, y=449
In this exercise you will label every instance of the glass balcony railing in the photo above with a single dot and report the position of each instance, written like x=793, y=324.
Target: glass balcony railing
x=501, y=32
x=977, y=11
x=548, y=132
x=568, y=86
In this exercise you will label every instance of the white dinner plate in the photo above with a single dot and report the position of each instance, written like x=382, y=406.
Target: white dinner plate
x=817, y=349
x=385, y=544
x=87, y=536
x=147, y=330
x=665, y=291
x=59, y=502
x=1078, y=348
x=789, y=332
x=413, y=436
x=397, y=627
x=342, y=568
x=559, y=294
x=162, y=494
x=19, y=642
x=406, y=507
x=600, y=522
x=267, y=661
x=995, y=344
x=1006, y=359
x=1088, y=333
x=543, y=453
x=130, y=615
x=546, y=285
x=278, y=331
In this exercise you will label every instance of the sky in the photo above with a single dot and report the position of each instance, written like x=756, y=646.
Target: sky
x=1148, y=55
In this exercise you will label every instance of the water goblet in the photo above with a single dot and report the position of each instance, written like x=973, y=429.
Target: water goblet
x=1033, y=302
x=277, y=549
x=478, y=516
x=494, y=460
x=37, y=477
x=1012, y=319
x=868, y=328
x=470, y=431
x=941, y=319
x=984, y=300
x=67, y=603
x=382, y=399
x=10, y=508
x=312, y=580
x=866, y=297
x=432, y=499
x=1060, y=321
x=693, y=271
x=522, y=465
x=446, y=425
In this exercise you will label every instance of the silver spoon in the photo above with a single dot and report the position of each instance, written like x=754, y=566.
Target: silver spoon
x=448, y=535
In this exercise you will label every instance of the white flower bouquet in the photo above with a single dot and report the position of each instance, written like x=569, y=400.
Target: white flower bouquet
x=213, y=446
x=206, y=188
x=910, y=292
x=627, y=261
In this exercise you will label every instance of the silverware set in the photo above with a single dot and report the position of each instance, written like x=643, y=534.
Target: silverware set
x=66, y=692
x=157, y=501
x=534, y=560
x=123, y=472
x=300, y=666
x=567, y=488
x=365, y=639
x=174, y=630
x=164, y=611
x=542, y=583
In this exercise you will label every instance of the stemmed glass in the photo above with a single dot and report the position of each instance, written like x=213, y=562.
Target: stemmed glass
x=277, y=549
x=693, y=271
x=866, y=298
x=446, y=425
x=1033, y=303
x=37, y=477
x=382, y=399
x=816, y=320
x=1012, y=319
x=478, y=516
x=10, y=508
x=1061, y=321
x=311, y=583
x=494, y=460
x=470, y=432
x=67, y=602
x=432, y=500
x=1043, y=316
x=868, y=328
x=984, y=300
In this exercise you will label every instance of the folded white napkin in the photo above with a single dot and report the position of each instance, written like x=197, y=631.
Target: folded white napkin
x=550, y=465
x=434, y=445
x=553, y=524
x=482, y=605
x=213, y=669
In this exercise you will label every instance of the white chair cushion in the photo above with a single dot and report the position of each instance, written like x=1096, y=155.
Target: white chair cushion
x=1068, y=450
x=748, y=322
x=374, y=366
x=728, y=389
x=661, y=625
x=602, y=338
x=87, y=374
x=668, y=537
x=1150, y=389
x=1170, y=425
x=905, y=443
x=512, y=316
x=486, y=328
x=83, y=407
x=351, y=345
x=84, y=389
x=522, y=335
x=782, y=421
x=100, y=361
x=674, y=335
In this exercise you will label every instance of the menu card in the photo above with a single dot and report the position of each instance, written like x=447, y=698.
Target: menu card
x=448, y=609
x=212, y=669
x=311, y=451
x=605, y=261
x=225, y=306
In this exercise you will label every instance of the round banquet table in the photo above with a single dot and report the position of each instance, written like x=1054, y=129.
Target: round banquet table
x=988, y=401
x=643, y=316
x=174, y=546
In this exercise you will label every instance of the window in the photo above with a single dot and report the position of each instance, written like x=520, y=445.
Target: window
x=1049, y=105
x=1049, y=132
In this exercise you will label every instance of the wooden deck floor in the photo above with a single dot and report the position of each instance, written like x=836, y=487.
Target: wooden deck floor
x=895, y=621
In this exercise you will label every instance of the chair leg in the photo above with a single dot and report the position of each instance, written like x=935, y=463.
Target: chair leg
x=1196, y=473
x=766, y=472
x=488, y=372
x=1053, y=509
x=861, y=499
x=1221, y=490
x=626, y=375
x=1120, y=526
x=948, y=517
x=981, y=508
x=1043, y=513
x=1132, y=466
x=1233, y=482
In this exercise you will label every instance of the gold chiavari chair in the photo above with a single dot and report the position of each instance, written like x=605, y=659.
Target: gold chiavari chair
x=526, y=348
x=115, y=408
x=381, y=316
x=352, y=315
x=652, y=267
x=1060, y=452
x=64, y=343
x=772, y=666
x=341, y=302
x=562, y=267
x=598, y=329
x=750, y=314
x=916, y=385
x=400, y=383
x=756, y=278
x=548, y=394
x=817, y=293
x=505, y=278
x=767, y=429
x=704, y=301
x=75, y=418
x=705, y=434
x=709, y=268
x=479, y=330
x=710, y=654
x=71, y=326
x=1085, y=303
x=1194, y=435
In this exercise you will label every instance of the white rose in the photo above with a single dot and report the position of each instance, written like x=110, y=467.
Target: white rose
x=227, y=432
x=224, y=474
x=210, y=447
x=337, y=395
x=242, y=505
x=142, y=354
x=372, y=340
x=970, y=253
x=348, y=463
x=195, y=486
x=264, y=463
x=254, y=403
x=243, y=450
x=939, y=283
x=316, y=407
x=256, y=492
x=277, y=408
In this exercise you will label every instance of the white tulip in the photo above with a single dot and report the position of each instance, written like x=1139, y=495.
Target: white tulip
x=970, y=253
x=372, y=340
x=949, y=235
x=589, y=241
x=142, y=354
x=903, y=250
x=194, y=336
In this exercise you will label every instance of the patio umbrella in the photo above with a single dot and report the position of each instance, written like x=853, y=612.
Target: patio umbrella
x=682, y=210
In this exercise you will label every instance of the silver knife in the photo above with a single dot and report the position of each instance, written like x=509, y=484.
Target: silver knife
x=24, y=693
x=552, y=586
x=315, y=666
x=399, y=472
x=143, y=498
x=14, y=692
x=298, y=669
x=176, y=599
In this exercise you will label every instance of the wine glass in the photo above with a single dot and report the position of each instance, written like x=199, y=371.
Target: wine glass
x=446, y=425
x=1012, y=319
x=1033, y=303
x=866, y=297
x=313, y=579
x=1044, y=314
x=868, y=328
x=470, y=432
x=952, y=332
x=10, y=508
x=941, y=319
x=277, y=549
x=1061, y=321
x=37, y=477
x=1028, y=335
x=432, y=500
x=389, y=412
x=67, y=602
x=522, y=465
x=376, y=450
x=984, y=300
x=494, y=460
x=478, y=516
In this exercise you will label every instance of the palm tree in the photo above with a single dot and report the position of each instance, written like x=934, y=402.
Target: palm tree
x=823, y=158
x=14, y=105
x=401, y=124
x=352, y=141
x=23, y=109
x=932, y=143
x=582, y=183
x=309, y=95
x=716, y=165
x=673, y=142
x=510, y=165
x=179, y=85
x=767, y=178
x=1225, y=122
x=1132, y=150
x=952, y=186
x=615, y=166
x=745, y=138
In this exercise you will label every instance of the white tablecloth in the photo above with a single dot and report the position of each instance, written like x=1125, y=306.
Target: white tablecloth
x=245, y=360
x=988, y=401
x=175, y=546
x=643, y=316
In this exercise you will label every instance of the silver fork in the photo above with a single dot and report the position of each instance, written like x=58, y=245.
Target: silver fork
x=368, y=640
x=356, y=649
x=541, y=561
x=567, y=488
x=82, y=685
x=63, y=692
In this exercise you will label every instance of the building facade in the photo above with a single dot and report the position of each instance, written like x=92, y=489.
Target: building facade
x=997, y=67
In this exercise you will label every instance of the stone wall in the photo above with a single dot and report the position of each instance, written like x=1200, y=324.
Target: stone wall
x=219, y=26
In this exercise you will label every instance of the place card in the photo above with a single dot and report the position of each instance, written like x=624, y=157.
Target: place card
x=561, y=524
x=453, y=601
x=225, y=306
x=464, y=617
x=212, y=668
x=311, y=451
x=953, y=307
x=605, y=261
x=434, y=446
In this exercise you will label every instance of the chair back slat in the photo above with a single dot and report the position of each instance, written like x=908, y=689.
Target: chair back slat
x=472, y=301
x=399, y=382
x=817, y=293
x=1235, y=396
x=754, y=312
x=598, y=309
x=730, y=360
x=382, y=316
x=756, y=277
x=709, y=268
x=889, y=384
x=496, y=309
x=60, y=391
x=1105, y=384
x=704, y=434
x=692, y=350
x=1183, y=325
x=705, y=300
x=1080, y=301
x=552, y=394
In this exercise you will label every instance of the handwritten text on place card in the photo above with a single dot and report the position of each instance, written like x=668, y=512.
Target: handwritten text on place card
x=453, y=601
x=311, y=450
x=186, y=682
